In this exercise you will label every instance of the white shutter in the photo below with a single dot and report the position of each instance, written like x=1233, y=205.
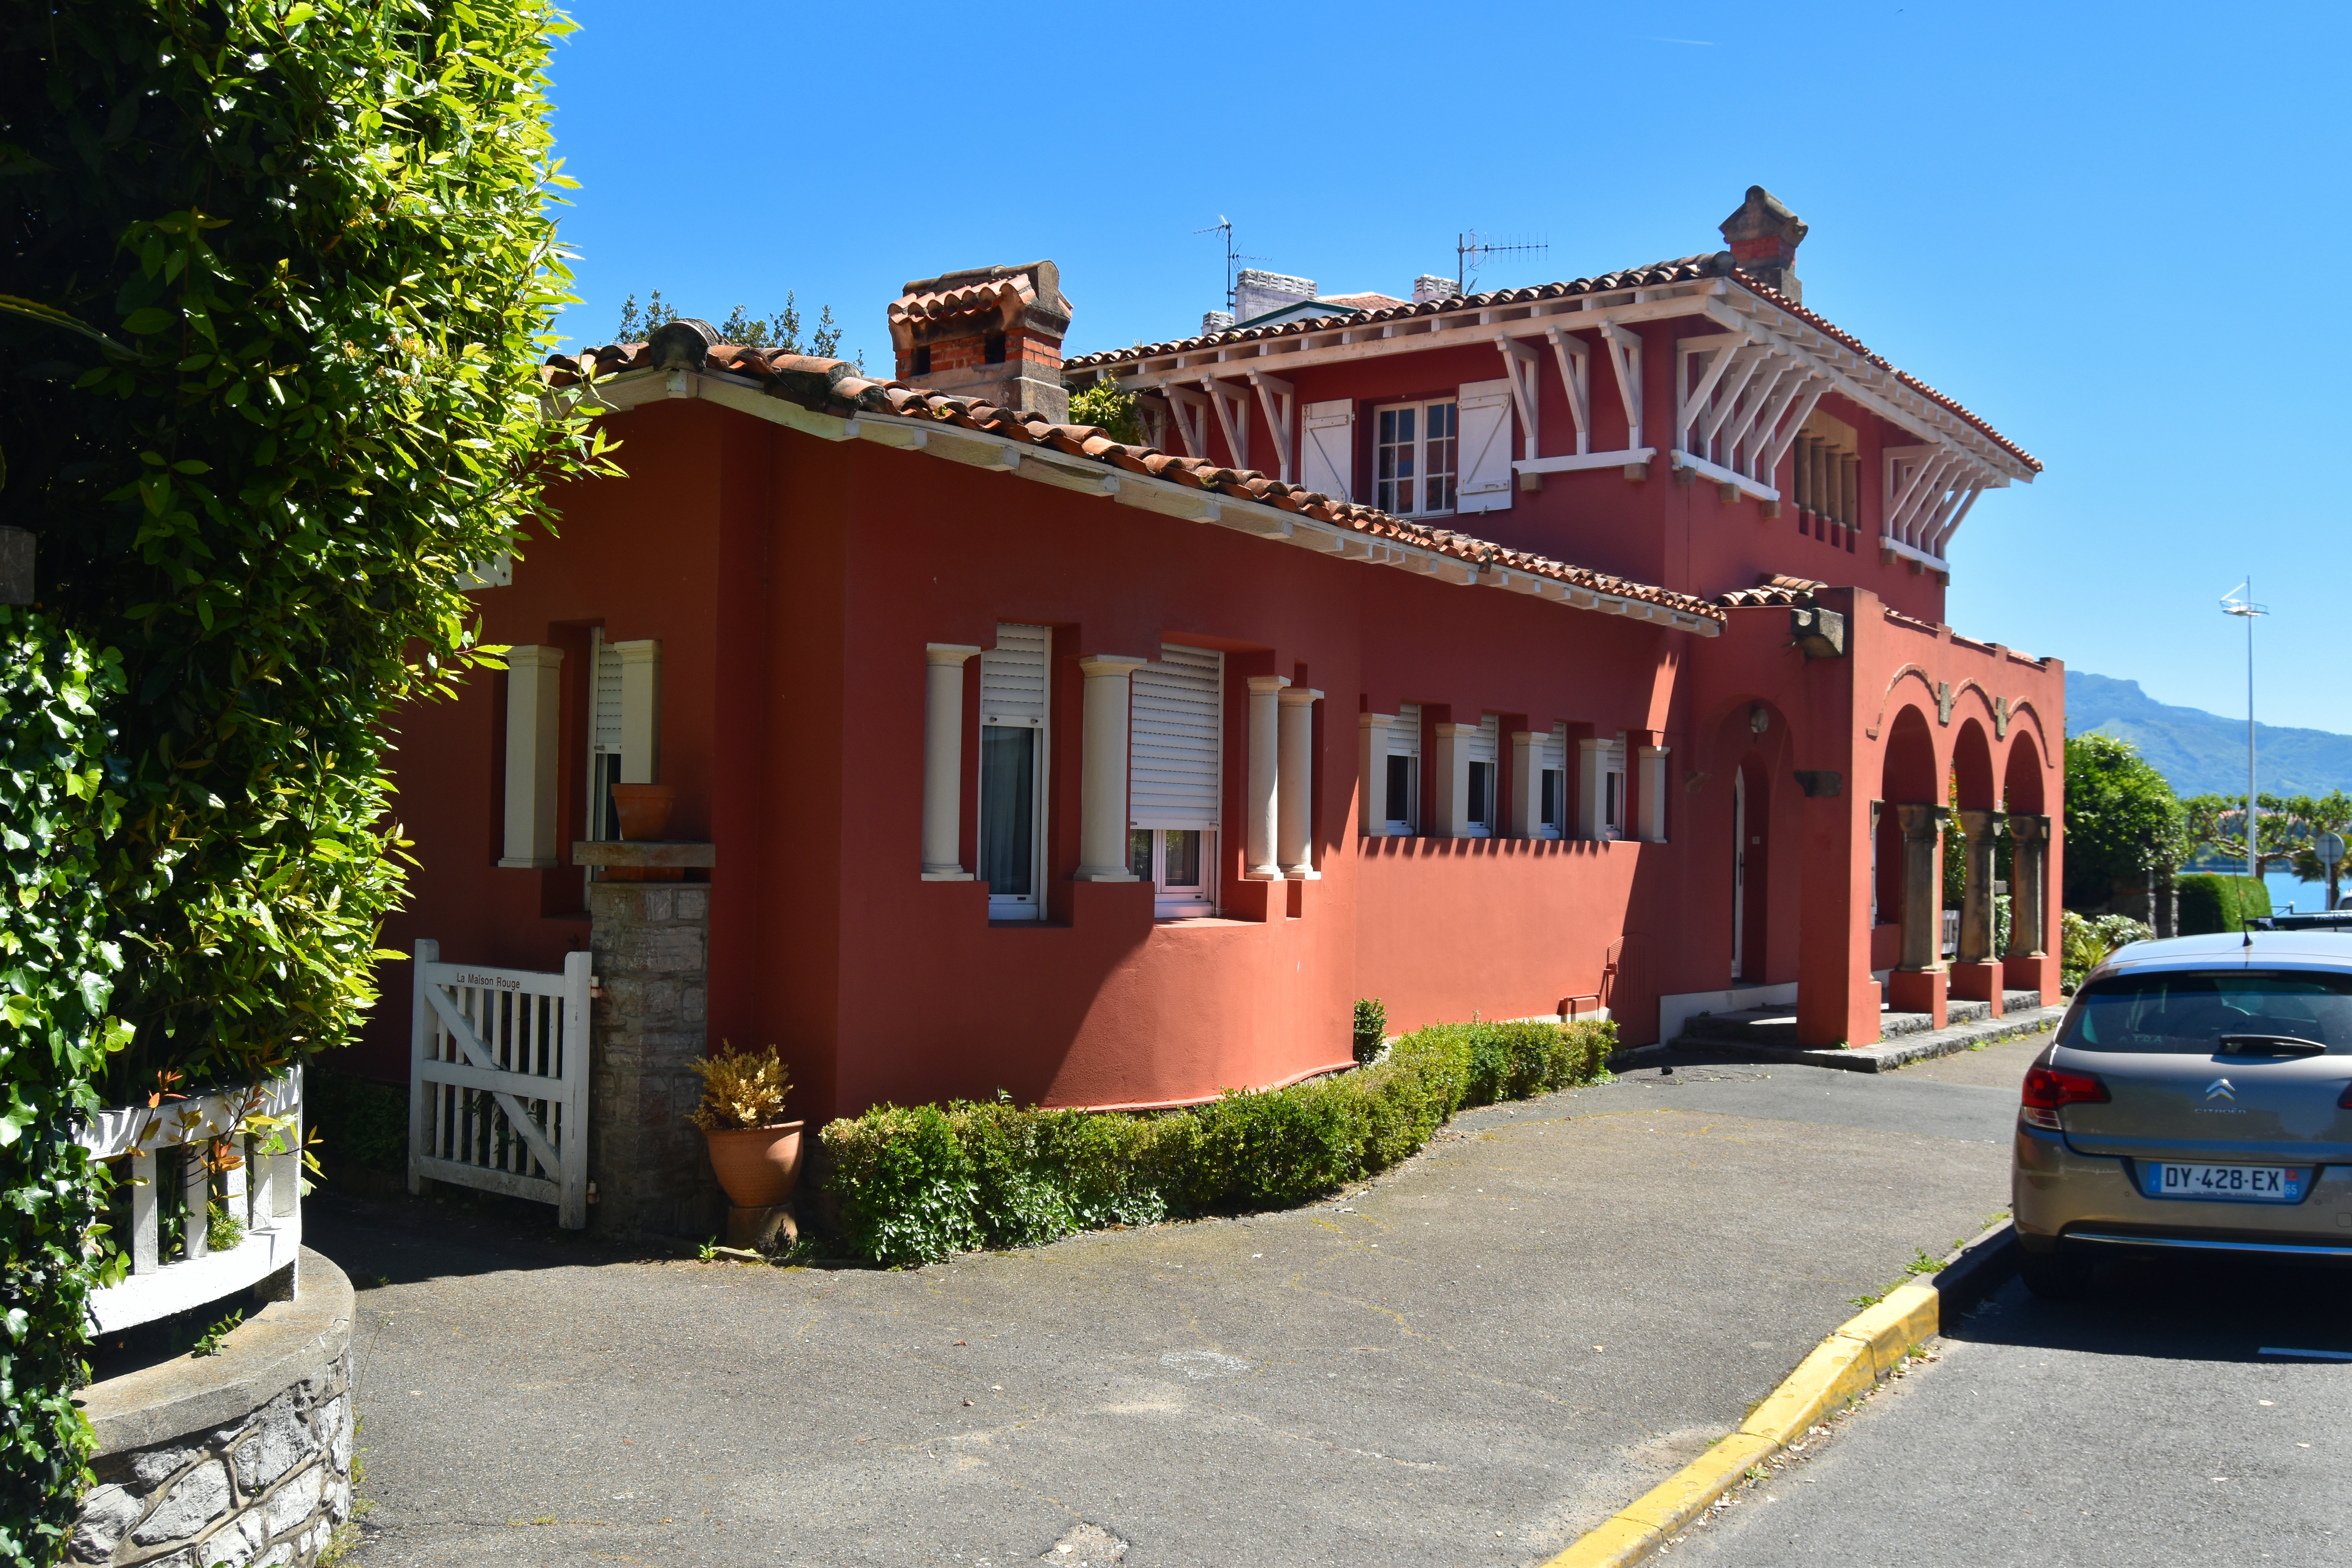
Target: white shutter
x=605, y=739
x=1326, y=448
x=1013, y=675
x=1175, y=726
x=1485, y=465
x=1404, y=735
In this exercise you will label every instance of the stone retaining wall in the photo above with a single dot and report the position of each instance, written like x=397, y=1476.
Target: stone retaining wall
x=241, y=1458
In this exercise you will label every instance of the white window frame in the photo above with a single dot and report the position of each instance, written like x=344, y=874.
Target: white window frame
x=1613, y=803
x=1404, y=741
x=1381, y=496
x=1552, y=775
x=602, y=822
x=1148, y=860
x=1029, y=906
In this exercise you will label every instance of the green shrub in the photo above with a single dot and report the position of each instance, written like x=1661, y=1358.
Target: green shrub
x=2210, y=902
x=358, y=1119
x=1371, y=1029
x=918, y=1183
x=2085, y=942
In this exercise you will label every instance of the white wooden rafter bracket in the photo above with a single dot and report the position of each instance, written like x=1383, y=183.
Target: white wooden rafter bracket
x=1523, y=368
x=1279, y=399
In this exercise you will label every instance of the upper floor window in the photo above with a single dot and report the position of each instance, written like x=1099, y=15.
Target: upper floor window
x=1612, y=790
x=1415, y=458
x=1551, y=783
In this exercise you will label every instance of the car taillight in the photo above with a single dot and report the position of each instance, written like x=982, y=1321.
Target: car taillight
x=2345, y=1100
x=2047, y=1088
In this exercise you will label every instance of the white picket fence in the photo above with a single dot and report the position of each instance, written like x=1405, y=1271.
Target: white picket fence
x=261, y=1189
x=497, y=1080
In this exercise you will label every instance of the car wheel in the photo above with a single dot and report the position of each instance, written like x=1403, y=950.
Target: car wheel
x=2055, y=1272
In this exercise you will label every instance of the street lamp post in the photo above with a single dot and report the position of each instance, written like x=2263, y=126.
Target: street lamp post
x=2239, y=602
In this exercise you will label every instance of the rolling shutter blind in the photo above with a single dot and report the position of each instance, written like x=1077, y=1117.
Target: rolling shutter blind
x=1485, y=460
x=1404, y=735
x=1481, y=747
x=1326, y=455
x=1175, y=726
x=606, y=740
x=1012, y=676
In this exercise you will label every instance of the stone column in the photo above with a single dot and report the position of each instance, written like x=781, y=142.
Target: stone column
x=2028, y=838
x=1102, y=769
x=1260, y=809
x=1295, y=806
x=1922, y=885
x=1373, y=773
x=943, y=761
x=1976, y=969
x=648, y=1022
x=1978, y=830
x=1652, y=826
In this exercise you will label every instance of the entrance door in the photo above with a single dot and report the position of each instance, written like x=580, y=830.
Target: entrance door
x=1738, y=871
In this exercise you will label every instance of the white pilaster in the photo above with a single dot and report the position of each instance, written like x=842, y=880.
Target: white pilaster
x=943, y=761
x=1373, y=773
x=1261, y=810
x=1652, y=826
x=1452, y=773
x=1593, y=789
x=1295, y=792
x=640, y=710
x=1527, y=783
x=1102, y=769
x=534, y=700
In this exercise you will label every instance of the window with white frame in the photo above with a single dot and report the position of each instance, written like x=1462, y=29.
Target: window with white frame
x=1613, y=790
x=1414, y=455
x=1482, y=745
x=1551, y=783
x=1400, y=789
x=1013, y=711
x=1175, y=777
x=604, y=737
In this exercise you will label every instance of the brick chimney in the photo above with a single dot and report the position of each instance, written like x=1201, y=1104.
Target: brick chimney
x=991, y=333
x=1764, y=235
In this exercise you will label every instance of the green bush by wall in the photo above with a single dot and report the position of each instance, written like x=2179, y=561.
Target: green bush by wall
x=2210, y=902
x=917, y=1183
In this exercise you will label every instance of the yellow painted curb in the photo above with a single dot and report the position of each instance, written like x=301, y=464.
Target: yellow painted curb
x=1865, y=1349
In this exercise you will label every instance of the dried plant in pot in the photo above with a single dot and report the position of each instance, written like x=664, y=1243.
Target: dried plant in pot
x=755, y=1154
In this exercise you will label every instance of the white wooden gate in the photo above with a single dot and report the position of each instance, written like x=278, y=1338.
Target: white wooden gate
x=497, y=1081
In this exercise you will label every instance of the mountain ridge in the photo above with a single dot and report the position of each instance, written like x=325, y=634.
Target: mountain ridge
x=2205, y=754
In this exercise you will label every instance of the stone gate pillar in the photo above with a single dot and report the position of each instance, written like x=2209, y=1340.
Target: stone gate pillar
x=651, y=945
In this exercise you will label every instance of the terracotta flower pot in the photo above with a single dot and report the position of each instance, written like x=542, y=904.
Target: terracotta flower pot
x=645, y=809
x=758, y=1165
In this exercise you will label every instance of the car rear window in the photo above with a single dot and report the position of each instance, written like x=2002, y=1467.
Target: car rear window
x=2188, y=1013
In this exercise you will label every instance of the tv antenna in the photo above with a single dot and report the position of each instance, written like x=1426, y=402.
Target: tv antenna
x=1469, y=250
x=1224, y=225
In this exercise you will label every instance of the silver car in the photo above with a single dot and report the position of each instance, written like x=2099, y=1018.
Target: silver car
x=2199, y=1095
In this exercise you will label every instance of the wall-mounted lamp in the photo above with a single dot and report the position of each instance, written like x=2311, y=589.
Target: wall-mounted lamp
x=1759, y=718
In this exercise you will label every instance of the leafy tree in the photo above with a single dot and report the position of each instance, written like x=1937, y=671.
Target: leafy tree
x=2123, y=821
x=2216, y=831
x=1103, y=405
x=2330, y=813
x=317, y=234
x=781, y=331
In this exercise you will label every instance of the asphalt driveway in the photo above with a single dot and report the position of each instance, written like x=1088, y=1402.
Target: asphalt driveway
x=1471, y=1361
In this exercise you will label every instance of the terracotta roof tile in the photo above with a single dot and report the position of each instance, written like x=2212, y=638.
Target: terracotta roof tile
x=834, y=387
x=1683, y=269
x=1001, y=296
x=1772, y=588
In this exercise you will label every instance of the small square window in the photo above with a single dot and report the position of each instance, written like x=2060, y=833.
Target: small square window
x=922, y=359
x=991, y=348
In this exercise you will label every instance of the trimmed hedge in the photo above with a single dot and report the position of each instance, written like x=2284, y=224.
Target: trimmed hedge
x=917, y=1183
x=2210, y=902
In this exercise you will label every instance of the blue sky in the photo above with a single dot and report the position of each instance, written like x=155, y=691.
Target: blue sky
x=2083, y=222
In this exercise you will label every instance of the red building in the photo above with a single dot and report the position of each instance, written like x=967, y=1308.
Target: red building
x=1552, y=649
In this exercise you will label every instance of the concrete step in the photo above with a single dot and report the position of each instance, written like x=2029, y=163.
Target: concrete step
x=1777, y=1025
x=1756, y=1035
